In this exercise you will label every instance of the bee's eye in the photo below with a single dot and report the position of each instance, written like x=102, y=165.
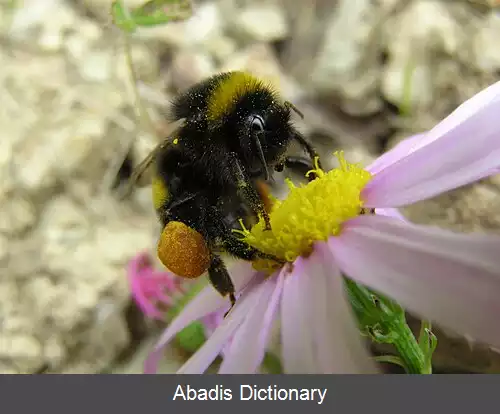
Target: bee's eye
x=257, y=124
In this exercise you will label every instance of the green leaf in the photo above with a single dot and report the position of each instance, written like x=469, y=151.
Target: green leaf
x=122, y=17
x=151, y=13
x=391, y=359
x=272, y=364
x=192, y=337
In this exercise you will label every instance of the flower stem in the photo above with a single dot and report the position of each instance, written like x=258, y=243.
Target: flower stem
x=408, y=349
x=384, y=321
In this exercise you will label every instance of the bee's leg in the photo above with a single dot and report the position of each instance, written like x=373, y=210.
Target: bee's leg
x=249, y=192
x=220, y=279
x=298, y=164
x=307, y=146
x=224, y=239
x=242, y=250
x=265, y=194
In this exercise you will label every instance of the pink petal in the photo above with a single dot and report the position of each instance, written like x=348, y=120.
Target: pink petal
x=340, y=346
x=451, y=279
x=164, y=299
x=207, y=301
x=149, y=309
x=202, y=359
x=164, y=279
x=138, y=263
x=297, y=321
x=463, y=148
x=248, y=346
x=488, y=96
x=212, y=321
x=464, y=111
x=390, y=212
x=142, y=301
x=140, y=296
x=399, y=151
x=319, y=332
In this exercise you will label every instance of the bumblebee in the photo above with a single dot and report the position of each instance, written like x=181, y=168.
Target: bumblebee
x=234, y=130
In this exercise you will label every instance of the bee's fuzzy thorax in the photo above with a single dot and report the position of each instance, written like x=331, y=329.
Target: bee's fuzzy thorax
x=234, y=88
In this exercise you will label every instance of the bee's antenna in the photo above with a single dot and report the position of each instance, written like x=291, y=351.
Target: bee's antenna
x=261, y=157
x=306, y=145
x=294, y=109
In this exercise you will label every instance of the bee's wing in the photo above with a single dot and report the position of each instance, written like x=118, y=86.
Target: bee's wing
x=144, y=165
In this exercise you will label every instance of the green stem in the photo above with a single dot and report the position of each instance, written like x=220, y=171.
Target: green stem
x=409, y=349
x=142, y=113
x=405, y=106
x=428, y=343
x=385, y=322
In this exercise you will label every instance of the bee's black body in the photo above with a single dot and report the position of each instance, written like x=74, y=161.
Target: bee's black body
x=206, y=176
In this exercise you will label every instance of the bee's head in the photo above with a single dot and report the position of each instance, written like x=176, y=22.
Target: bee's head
x=265, y=131
x=253, y=120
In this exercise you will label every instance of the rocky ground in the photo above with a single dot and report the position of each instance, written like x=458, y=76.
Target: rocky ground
x=67, y=117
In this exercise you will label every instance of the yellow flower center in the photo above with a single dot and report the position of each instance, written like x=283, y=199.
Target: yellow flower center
x=310, y=213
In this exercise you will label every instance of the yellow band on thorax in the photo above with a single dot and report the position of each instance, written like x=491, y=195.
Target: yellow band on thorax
x=230, y=89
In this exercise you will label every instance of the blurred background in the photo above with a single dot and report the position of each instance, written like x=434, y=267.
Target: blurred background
x=365, y=73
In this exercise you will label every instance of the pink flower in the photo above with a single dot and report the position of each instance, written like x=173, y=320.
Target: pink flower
x=151, y=287
x=449, y=278
x=155, y=291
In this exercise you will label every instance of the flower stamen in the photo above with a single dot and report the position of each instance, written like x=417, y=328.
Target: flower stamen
x=310, y=213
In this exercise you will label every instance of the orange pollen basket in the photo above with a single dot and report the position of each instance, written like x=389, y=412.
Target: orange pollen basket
x=183, y=250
